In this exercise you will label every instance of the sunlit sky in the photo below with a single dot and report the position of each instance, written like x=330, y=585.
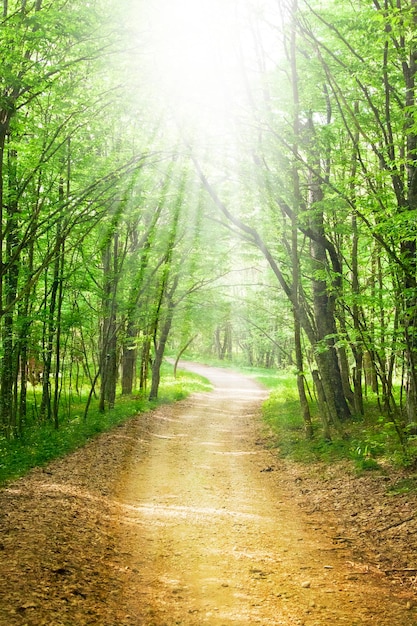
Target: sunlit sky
x=202, y=55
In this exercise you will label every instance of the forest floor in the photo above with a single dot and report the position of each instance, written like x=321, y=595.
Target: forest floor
x=184, y=516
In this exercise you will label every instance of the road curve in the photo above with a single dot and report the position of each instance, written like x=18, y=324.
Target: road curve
x=214, y=537
x=180, y=516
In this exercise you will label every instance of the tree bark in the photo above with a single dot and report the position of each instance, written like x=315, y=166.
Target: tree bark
x=45, y=410
x=129, y=358
x=160, y=349
x=108, y=358
x=409, y=248
x=324, y=313
x=9, y=363
x=181, y=352
x=323, y=407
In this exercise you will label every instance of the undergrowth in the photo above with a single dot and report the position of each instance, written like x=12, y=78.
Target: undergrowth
x=39, y=444
x=369, y=442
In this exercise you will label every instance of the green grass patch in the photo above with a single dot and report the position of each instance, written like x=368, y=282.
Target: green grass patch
x=172, y=389
x=269, y=378
x=370, y=441
x=282, y=414
x=40, y=444
x=403, y=486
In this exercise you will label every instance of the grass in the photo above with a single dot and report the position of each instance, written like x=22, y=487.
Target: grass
x=370, y=443
x=178, y=388
x=403, y=486
x=282, y=414
x=40, y=444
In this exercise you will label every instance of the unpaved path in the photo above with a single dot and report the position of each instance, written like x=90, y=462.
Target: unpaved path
x=180, y=517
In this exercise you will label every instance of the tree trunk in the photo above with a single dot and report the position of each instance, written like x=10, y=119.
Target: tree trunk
x=356, y=344
x=324, y=315
x=129, y=359
x=305, y=408
x=409, y=248
x=23, y=341
x=9, y=363
x=344, y=373
x=159, y=352
x=181, y=352
x=144, y=363
x=323, y=407
x=57, y=374
x=108, y=358
x=45, y=410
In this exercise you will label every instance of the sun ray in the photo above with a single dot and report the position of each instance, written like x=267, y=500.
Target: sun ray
x=200, y=53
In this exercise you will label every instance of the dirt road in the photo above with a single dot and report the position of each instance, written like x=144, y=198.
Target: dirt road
x=181, y=517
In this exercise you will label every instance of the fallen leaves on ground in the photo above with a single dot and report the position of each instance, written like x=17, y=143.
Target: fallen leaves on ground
x=367, y=512
x=61, y=564
x=59, y=561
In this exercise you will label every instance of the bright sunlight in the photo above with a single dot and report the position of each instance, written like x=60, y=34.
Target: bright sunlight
x=204, y=55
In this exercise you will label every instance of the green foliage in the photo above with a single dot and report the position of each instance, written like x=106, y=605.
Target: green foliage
x=363, y=453
x=376, y=439
x=371, y=443
x=403, y=486
x=282, y=414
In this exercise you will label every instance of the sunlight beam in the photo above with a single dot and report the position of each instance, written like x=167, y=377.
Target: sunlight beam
x=202, y=56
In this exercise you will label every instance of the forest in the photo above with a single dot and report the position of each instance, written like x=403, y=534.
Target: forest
x=237, y=182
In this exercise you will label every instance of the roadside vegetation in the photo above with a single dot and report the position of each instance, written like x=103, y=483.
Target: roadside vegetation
x=371, y=442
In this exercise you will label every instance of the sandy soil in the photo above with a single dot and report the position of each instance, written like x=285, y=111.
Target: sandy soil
x=183, y=517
